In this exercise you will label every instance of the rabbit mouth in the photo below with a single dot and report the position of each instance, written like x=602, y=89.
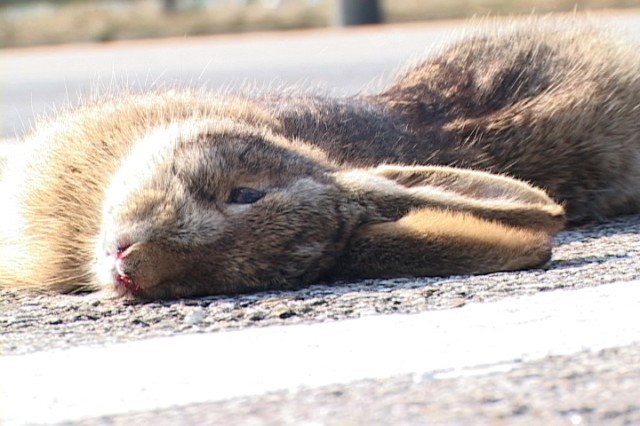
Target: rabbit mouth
x=122, y=271
x=125, y=284
x=135, y=268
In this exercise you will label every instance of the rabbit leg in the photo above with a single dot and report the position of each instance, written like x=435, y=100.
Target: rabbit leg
x=429, y=242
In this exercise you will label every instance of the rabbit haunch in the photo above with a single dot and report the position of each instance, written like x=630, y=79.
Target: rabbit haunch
x=189, y=193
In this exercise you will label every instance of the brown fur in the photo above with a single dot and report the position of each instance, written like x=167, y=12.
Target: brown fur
x=354, y=187
x=443, y=243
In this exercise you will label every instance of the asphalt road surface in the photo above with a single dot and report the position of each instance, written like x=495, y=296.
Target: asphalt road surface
x=558, y=345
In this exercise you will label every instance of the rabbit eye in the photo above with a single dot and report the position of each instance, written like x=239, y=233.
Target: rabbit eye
x=245, y=196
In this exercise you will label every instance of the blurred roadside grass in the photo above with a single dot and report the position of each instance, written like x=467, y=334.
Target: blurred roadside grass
x=94, y=21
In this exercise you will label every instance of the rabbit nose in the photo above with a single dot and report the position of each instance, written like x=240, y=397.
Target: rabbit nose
x=127, y=258
x=122, y=249
x=143, y=265
x=115, y=248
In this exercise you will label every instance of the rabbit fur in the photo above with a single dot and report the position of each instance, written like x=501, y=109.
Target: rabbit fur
x=466, y=163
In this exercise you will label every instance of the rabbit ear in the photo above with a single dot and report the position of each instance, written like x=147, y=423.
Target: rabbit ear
x=470, y=183
x=430, y=221
x=391, y=192
x=429, y=242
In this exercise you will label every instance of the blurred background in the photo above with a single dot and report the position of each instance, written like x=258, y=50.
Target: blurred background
x=38, y=83
x=37, y=22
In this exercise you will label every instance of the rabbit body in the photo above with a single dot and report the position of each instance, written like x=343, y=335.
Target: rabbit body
x=466, y=163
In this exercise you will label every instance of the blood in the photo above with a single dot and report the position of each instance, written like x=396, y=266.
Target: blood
x=124, y=282
x=128, y=283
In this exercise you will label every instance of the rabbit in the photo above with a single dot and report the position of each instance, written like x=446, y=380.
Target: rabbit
x=467, y=163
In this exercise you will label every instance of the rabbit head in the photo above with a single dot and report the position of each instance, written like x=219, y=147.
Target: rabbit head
x=218, y=207
x=207, y=207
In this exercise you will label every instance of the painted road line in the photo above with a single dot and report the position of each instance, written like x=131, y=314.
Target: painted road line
x=85, y=382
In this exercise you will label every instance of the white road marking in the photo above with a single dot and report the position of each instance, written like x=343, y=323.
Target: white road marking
x=85, y=382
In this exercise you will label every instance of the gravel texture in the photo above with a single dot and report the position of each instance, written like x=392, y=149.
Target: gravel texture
x=584, y=257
